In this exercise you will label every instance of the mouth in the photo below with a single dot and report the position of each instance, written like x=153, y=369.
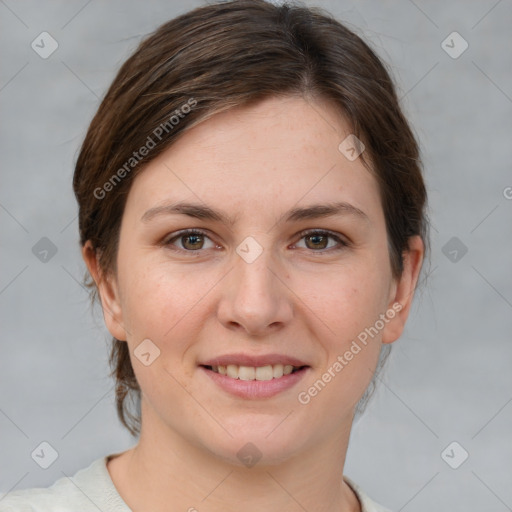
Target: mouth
x=255, y=376
x=258, y=373
x=254, y=382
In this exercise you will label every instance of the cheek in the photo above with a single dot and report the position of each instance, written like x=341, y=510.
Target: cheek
x=343, y=308
x=164, y=304
x=345, y=299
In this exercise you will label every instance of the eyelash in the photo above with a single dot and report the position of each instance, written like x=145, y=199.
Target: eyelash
x=308, y=232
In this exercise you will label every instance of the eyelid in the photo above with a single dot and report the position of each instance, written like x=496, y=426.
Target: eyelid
x=342, y=242
x=189, y=231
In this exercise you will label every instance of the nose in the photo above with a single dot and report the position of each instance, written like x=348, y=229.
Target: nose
x=255, y=299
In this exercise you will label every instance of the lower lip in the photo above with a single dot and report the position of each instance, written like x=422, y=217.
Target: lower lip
x=253, y=389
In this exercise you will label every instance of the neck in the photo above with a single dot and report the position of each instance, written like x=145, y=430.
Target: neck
x=166, y=472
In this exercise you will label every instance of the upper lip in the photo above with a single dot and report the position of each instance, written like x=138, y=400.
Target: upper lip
x=252, y=360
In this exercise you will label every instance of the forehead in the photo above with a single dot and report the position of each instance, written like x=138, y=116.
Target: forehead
x=279, y=153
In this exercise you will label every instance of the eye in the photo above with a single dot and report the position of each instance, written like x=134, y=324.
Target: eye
x=193, y=240
x=318, y=240
x=190, y=240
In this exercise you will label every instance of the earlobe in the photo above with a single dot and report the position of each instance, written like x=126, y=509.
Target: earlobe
x=404, y=290
x=107, y=291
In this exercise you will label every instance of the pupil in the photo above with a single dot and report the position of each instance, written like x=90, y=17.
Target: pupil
x=316, y=239
x=193, y=239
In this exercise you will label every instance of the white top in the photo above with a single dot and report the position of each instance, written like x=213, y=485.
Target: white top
x=91, y=489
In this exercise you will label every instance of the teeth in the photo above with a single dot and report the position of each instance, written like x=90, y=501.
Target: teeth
x=264, y=373
x=232, y=371
x=246, y=373
x=278, y=370
x=268, y=372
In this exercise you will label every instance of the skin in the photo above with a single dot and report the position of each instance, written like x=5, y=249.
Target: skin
x=299, y=298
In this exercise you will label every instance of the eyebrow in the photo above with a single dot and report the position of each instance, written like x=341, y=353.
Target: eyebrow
x=200, y=211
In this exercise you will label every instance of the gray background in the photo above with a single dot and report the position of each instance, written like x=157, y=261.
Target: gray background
x=449, y=377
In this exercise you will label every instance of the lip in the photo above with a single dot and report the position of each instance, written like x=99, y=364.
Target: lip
x=253, y=360
x=255, y=389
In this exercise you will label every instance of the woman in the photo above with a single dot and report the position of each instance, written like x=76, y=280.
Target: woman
x=252, y=214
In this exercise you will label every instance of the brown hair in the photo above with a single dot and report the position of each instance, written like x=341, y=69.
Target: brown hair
x=232, y=54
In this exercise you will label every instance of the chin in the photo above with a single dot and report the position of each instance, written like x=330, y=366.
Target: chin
x=267, y=444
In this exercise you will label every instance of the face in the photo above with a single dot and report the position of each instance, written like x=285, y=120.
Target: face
x=267, y=276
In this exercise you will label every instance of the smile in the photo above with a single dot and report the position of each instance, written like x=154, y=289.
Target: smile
x=255, y=382
x=267, y=372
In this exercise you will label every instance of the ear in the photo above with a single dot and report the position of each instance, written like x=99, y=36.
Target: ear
x=403, y=290
x=108, y=292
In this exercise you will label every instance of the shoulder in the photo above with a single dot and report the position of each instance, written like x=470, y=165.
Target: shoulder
x=367, y=504
x=89, y=489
